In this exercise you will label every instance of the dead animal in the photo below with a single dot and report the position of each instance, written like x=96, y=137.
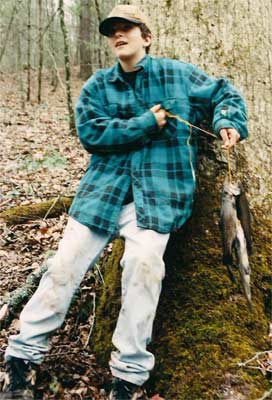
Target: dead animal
x=236, y=232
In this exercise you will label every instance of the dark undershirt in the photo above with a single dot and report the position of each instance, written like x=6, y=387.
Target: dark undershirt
x=130, y=78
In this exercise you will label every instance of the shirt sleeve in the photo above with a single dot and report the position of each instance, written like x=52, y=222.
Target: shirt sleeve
x=100, y=133
x=217, y=99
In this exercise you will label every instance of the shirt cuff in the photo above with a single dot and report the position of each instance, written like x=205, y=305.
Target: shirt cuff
x=148, y=122
x=224, y=124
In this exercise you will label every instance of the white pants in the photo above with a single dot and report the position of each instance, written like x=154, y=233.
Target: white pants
x=143, y=271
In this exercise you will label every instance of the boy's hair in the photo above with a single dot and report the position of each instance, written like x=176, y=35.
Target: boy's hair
x=145, y=33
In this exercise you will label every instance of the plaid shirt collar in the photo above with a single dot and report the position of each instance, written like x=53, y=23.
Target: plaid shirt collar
x=116, y=71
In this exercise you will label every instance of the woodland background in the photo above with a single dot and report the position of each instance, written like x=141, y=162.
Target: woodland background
x=48, y=48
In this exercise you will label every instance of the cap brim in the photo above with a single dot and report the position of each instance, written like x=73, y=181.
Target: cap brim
x=105, y=26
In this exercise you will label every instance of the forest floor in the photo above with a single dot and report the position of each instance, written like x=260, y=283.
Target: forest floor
x=40, y=160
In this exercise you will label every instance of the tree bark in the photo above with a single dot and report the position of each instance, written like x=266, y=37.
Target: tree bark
x=67, y=69
x=28, y=50
x=54, y=75
x=99, y=55
x=20, y=72
x=85, y=39
x=40, y=5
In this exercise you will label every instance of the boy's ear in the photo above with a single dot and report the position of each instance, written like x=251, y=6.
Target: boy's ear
x=148, y=40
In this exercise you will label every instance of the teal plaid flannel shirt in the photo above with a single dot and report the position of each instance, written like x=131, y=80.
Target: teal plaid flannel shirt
x=116, y=126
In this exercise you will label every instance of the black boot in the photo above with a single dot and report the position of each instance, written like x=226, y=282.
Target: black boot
x=123, y=390
x=20, y=380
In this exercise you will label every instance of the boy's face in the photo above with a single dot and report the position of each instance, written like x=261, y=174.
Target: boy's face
x=126, y=41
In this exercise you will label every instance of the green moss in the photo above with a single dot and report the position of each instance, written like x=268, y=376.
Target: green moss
x=203, y=317
x=109, y=303
x=203, y=326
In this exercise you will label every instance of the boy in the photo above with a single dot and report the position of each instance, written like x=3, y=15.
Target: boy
x=140, y=185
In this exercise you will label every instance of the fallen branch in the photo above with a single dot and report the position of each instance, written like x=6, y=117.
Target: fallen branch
x=47, y=209
x=14, y=299
x=11, y=302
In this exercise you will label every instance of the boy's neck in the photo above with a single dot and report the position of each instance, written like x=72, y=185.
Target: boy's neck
x=128, y=65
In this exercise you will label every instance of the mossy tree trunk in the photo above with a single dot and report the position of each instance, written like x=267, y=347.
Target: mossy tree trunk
x=203, y=328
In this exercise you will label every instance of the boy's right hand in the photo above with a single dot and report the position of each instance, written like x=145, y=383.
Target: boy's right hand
x=159, y=114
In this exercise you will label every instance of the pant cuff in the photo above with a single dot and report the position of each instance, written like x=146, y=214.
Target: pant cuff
x=130, y=377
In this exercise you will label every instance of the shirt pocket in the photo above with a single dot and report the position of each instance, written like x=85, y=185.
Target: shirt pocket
x=178, y=106
x=184, y=113
x=122, y=111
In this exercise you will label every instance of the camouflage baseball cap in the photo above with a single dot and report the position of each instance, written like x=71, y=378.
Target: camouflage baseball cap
x=123, y=12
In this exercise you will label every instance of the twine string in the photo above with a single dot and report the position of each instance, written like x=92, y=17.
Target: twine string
x=191, y=154
x=229, y=165
x=170, y=115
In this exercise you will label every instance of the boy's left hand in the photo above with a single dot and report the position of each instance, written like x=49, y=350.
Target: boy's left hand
x=230, y=137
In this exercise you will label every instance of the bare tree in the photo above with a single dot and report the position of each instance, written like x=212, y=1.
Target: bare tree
x=51, y=45
x=85, y=39
x=28, y=50
x=40, y=12
x=97, y=7
x=13, y=14
x=67, y=69
x=20, y=72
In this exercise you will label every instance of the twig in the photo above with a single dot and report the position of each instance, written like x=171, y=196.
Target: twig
x=57, y=71
x=100, y=274
x=91, y=320
x=51, y=208
x=5, y=202
x=243, y=364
